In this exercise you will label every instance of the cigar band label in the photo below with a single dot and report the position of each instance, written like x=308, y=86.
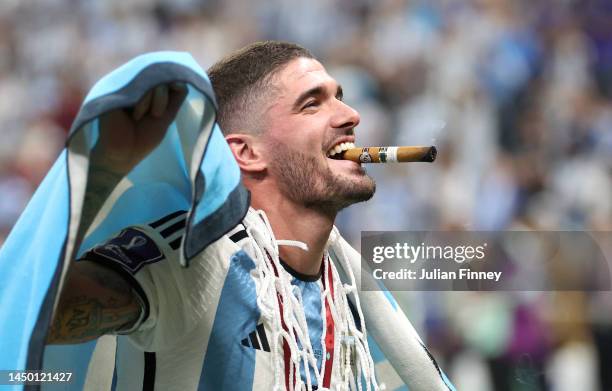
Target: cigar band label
x=390, y=155
x=365, y=156
x=382, y=154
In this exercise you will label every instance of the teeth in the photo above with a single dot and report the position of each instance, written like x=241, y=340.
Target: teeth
x=340, y=148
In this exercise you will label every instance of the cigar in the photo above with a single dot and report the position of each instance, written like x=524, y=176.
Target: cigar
x=390, y=154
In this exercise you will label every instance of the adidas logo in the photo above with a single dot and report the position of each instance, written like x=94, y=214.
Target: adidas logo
x=257, y=339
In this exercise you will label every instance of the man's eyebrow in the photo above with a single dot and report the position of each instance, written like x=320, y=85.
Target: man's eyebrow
x=315, y=91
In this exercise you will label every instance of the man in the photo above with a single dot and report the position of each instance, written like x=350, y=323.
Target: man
x=252, y=311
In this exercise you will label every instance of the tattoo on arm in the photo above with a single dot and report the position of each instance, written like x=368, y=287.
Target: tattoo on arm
x=101, y=302
x=87, y=318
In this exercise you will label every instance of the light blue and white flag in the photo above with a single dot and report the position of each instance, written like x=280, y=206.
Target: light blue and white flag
x=192, y=169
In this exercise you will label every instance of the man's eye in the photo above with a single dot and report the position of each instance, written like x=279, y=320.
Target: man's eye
x=312, y=103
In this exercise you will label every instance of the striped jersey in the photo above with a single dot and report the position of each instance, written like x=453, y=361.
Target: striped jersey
x=202, y=327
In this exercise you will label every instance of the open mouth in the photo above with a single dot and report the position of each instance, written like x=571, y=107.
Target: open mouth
x=337, y=151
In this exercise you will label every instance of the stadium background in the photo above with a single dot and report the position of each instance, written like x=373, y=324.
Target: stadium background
x=516, y=95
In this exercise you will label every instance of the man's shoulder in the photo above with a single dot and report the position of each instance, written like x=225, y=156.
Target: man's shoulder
x=137, y=246
x=159, y=242
x=169, y=231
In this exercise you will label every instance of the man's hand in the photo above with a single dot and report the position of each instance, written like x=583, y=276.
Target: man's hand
x=128, y=135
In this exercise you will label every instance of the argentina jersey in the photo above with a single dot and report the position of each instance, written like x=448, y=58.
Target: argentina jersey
x=202, y=327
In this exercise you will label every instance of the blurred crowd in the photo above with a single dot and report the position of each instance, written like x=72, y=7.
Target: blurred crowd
x=516, y=95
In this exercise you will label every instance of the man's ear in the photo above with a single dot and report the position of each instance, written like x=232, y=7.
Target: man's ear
x=247, y=152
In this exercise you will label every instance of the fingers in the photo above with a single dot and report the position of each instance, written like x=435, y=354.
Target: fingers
x=142, y=106
x=163, y=99
x=178, y=87
x=178, y=92
x=160, y=101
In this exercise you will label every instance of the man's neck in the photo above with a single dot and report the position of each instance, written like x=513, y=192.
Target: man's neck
x=290, y=221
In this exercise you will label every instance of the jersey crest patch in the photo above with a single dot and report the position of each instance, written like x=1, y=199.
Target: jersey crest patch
x=131, y=248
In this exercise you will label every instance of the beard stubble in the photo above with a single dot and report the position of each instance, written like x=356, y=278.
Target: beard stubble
x=303, y=179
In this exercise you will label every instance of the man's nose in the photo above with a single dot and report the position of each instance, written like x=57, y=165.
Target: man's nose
x=345, y=116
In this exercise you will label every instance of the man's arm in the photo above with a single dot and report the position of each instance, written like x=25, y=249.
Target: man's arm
x=96, y=300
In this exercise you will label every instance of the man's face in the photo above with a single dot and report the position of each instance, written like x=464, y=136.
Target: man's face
x=304, y=120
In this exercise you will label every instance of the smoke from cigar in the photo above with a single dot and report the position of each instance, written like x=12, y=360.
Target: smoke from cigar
x=390, y=154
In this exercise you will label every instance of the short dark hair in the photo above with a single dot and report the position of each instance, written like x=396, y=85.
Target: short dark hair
x=240, y=79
